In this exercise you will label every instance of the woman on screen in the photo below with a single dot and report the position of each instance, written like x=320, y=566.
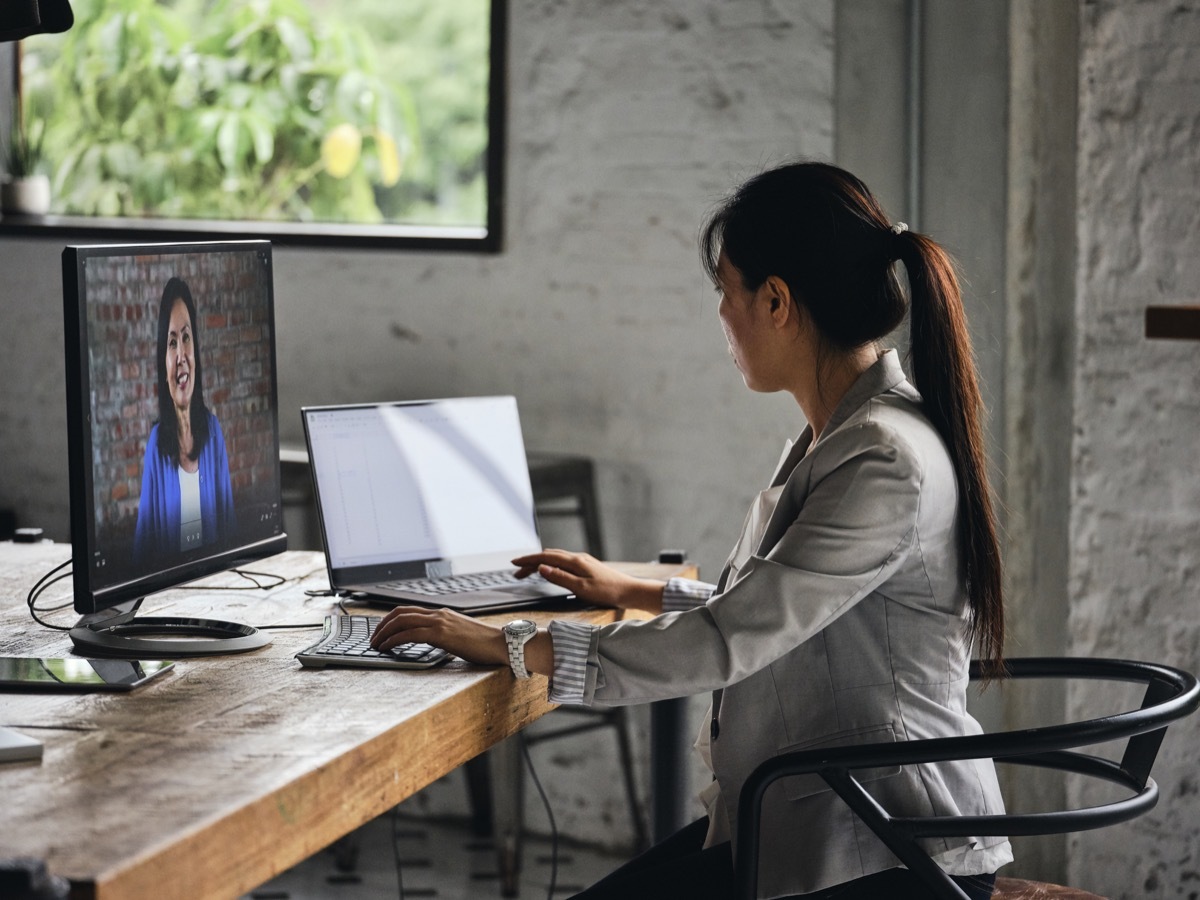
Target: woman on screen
x=187, y=500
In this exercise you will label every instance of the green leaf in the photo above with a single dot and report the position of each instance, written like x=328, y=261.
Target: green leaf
x=228, y=140
x=295, y=39
x=262, y=136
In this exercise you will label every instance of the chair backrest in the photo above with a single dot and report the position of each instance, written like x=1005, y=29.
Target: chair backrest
x=1171, y=694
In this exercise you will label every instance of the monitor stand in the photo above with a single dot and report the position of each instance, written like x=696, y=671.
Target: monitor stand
x=116, y=632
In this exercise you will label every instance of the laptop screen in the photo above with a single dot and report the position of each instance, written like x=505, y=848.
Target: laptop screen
x=424, y=489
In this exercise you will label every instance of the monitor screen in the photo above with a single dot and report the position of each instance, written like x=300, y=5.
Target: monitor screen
x=172, y=414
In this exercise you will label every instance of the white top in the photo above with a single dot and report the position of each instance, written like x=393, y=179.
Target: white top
x=191, y=527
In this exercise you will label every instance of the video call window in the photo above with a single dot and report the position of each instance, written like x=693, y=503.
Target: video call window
x=183, y=428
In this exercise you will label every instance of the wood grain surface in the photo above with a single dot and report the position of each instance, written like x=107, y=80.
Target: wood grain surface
x=216, y=776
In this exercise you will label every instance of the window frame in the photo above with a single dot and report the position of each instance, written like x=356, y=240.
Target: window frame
x=488, y=238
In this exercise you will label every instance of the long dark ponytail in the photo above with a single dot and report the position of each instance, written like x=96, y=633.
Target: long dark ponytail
x=821, y=230
x=943, y=370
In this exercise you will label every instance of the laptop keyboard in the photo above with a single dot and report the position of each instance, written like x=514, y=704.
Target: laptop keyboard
x=347, y=641
x=458, y=584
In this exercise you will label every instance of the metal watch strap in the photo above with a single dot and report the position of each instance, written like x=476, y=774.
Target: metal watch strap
x=516, y=641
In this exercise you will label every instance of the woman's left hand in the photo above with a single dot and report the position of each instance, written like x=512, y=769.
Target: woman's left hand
x=474, y=641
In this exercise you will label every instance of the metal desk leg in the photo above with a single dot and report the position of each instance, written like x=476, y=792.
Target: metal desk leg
x=507, y=813
x=669, y=748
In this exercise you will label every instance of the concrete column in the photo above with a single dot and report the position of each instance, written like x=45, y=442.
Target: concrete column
x=1038, y=362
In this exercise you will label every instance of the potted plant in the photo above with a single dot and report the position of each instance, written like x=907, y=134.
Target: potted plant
x=24, y=189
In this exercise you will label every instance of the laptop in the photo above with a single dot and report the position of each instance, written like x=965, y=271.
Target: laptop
x=426, y=502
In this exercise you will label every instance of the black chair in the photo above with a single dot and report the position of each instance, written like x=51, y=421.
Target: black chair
x=1171, y=694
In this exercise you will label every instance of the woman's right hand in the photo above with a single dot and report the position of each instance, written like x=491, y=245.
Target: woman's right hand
x=592, y=581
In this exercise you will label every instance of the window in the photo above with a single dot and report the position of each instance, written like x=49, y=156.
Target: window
x=343, y=121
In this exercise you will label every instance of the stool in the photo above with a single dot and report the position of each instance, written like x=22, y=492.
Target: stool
x=1020, y=889
x=558, y=477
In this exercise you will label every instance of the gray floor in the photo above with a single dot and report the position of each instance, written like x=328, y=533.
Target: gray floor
x=437, y=859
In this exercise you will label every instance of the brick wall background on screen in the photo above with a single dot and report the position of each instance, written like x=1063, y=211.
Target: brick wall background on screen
x=233, y=337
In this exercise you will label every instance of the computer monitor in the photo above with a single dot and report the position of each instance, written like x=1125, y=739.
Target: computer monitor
x=173, y=435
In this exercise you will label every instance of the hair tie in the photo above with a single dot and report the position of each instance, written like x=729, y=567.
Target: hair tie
x=893, y=241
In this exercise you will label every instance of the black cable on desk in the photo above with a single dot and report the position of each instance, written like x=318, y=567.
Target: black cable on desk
x=36, y=591
x=50, y=578
x=245, y=573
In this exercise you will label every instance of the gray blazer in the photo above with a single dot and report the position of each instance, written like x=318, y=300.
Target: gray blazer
x=845, y=626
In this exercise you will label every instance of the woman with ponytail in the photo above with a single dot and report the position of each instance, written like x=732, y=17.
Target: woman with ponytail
x=864, y=574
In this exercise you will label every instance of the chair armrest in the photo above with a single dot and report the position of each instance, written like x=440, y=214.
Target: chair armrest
x=1171, y=694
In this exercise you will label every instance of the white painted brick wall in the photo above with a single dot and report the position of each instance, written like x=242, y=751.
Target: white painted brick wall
x=1135, y=517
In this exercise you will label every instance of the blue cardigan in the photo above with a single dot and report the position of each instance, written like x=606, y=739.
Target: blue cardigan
x=158, y=522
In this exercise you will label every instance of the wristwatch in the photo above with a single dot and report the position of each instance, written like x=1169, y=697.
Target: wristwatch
x=516, y=634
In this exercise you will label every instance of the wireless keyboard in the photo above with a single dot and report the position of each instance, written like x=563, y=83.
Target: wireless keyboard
x=347, y=642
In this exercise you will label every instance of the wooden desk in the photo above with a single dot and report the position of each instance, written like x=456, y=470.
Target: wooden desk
x=228, y=770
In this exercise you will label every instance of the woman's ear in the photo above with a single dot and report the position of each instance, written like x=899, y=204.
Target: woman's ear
x=779, y=297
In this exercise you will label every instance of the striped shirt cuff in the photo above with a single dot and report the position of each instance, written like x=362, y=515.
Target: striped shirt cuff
x=682, y=594
x=574, y=647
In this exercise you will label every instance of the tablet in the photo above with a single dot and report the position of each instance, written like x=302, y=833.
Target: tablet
x=77, y=674
x=15, y=746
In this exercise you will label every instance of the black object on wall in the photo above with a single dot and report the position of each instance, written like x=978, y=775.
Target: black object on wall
x=21, y=18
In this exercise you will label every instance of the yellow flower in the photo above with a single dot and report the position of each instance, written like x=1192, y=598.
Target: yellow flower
x=389, y=158
x=340, y=150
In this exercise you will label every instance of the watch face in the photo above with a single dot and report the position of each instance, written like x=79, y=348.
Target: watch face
x=520, y=627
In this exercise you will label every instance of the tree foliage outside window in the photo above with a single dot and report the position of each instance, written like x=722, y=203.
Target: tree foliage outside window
x=311, y=111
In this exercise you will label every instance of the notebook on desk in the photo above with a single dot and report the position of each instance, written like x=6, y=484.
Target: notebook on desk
x=426, y=502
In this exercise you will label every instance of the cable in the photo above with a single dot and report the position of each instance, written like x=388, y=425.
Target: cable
x=249, y=576
x=320, y=592
x=36, y=591
x=395, y=815
x=341, y=596
x=550, y=815
x=50, y=578
x=344, y=598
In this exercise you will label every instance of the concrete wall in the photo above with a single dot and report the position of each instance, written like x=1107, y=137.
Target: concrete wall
x=1135, y=485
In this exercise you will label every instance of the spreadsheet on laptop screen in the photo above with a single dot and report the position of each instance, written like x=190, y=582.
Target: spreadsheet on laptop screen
x=423, y=481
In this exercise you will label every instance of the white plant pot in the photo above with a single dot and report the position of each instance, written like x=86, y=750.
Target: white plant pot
x=28, y=196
